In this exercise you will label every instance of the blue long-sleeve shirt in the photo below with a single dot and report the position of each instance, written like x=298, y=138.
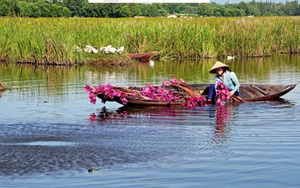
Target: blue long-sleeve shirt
x=230, y=81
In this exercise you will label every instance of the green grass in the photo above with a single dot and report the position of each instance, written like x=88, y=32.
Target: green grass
x=52, y=40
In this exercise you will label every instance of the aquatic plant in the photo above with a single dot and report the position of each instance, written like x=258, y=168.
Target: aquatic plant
x=159, y=93
x=222, y=94
x=52, y=40
x=107, y=91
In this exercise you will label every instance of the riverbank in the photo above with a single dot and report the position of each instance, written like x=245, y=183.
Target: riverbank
x=54, y=40
x=94, y=61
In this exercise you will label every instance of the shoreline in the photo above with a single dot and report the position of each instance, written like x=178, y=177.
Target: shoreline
x=125, y=61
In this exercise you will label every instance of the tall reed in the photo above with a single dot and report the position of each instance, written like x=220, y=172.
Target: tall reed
x=53, y=40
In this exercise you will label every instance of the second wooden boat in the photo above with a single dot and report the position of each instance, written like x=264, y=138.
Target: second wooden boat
x=143, y=57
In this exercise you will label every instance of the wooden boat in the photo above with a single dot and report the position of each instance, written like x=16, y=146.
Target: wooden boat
x=141, y=57
x=248, y=92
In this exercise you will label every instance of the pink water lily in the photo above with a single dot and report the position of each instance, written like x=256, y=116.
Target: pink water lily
x=123, y=114
x=116, y=93
x=222, y=93
x=158, y=93
x=107, y=91
x=165, y=83
x=99, y=89
x=195, y=101
x=93, y=117
x=123, y=98
x=92, y=97
x=174, y=81
x=87, y=88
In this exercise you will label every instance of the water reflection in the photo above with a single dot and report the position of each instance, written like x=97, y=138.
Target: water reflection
x=259, y=70
x=128, y=135
x=45, y=128
x=222, y=116
x=133, y=112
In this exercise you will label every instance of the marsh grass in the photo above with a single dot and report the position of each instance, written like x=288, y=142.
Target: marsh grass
x=53, y=40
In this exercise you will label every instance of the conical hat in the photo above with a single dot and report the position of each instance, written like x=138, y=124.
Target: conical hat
x=218, y=64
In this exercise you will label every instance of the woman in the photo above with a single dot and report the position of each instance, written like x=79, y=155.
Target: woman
x=225, y=76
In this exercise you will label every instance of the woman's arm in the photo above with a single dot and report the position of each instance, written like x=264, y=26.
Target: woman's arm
x=235, y=81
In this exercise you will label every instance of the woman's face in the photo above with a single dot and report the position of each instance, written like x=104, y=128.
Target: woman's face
x=219, y=71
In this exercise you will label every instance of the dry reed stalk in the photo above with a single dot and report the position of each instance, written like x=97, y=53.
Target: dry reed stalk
x=190, y=91
x=130, y=92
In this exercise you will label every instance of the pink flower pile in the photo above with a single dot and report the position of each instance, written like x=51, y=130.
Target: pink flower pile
x=107, y=91
x=154, y=93
x=158, y=93
x=191, y=101
x=161, y=94
x=222, y=93
x=194, y=101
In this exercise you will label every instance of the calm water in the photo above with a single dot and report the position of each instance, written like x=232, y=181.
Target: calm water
x=48, y=137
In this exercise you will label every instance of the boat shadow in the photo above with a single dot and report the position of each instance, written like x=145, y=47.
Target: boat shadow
x=132, y=112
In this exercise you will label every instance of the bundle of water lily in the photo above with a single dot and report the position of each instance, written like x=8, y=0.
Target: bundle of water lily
x=172, y=92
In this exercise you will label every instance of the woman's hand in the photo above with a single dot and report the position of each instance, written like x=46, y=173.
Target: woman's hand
x=231, y=93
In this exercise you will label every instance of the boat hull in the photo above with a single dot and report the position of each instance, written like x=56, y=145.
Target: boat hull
x=141, y=57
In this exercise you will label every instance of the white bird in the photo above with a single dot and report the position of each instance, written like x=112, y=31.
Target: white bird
x=94, y=50
x=102, y=49
x=151, y=63
x=120, y=50
x=107, y=49
x=87, y=49
x=90, y=49
x=230, y=57
x=112, y=50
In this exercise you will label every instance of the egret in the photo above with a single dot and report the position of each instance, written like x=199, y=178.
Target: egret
x=112, y=50
x=151, y=63
x=120, y=50
x=230, y=57
x=107, y=49
x=90, y=49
